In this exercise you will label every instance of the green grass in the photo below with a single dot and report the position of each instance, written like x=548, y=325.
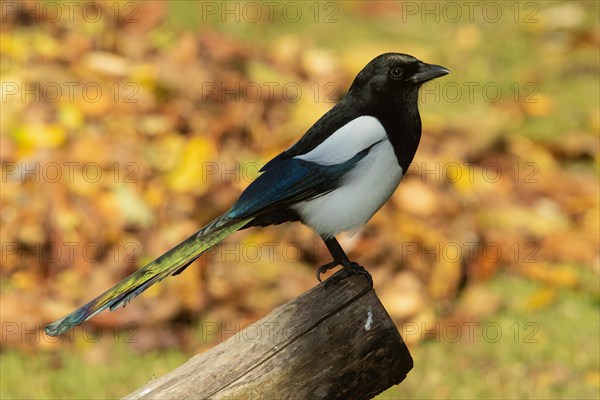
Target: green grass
x=108, y=373
x=549, y=353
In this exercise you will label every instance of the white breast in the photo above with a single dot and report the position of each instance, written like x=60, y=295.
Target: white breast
x=364, y=190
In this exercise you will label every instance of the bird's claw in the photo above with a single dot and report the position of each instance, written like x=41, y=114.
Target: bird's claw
x=355, y=268
x=350, y=268
x=324, y=268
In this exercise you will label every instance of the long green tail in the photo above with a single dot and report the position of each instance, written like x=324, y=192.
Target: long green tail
x=170, y=263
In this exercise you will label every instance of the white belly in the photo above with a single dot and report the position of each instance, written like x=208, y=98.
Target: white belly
x=362, y=193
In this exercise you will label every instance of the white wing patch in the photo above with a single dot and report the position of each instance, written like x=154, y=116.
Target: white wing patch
x=347, y=141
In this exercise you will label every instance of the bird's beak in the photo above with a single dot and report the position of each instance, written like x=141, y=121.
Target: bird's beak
x=427, y=72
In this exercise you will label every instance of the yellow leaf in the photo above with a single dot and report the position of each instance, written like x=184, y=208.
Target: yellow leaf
x=191, y=172
x=541, y=299
x=543, y=106
x=15, y=46
x=558, y=276
x=592, y=378
x=70, y=116
x=40, y=136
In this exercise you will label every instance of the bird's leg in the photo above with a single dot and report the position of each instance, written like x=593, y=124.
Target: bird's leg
x=340, y=258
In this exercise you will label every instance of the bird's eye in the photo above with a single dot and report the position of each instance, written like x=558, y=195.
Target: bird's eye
x=396, y=73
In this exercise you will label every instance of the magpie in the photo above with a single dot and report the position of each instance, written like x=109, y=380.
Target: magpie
x=333, y=179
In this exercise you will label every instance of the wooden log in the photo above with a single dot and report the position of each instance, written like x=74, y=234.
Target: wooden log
x=329, y=343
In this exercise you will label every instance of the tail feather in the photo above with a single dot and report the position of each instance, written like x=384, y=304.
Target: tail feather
x=170, y=263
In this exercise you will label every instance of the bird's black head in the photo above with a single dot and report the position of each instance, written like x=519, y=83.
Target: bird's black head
x=392, y=79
